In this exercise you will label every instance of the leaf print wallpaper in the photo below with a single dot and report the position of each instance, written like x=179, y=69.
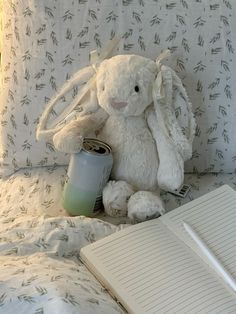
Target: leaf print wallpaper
x=45, y=42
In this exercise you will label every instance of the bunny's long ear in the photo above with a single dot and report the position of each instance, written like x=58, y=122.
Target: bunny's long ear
x=85, y=78
x=175, y=127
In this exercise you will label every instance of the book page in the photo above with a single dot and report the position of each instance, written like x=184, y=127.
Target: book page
x=213, y=217
x=149, y=270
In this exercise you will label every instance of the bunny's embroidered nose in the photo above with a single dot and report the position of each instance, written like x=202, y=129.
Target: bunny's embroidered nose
x=118, y=104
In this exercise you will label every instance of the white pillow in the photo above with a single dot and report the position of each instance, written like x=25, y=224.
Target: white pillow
x=45, y=42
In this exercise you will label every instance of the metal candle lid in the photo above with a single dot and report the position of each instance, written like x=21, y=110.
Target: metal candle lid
x=96, y=147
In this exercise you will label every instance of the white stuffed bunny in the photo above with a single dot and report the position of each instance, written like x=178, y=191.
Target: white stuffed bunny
x=134, y=103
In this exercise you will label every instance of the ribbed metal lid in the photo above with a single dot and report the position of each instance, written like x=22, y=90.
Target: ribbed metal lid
x=96, y=147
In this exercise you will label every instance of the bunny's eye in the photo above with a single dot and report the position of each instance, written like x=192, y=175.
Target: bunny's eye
x=136, y=88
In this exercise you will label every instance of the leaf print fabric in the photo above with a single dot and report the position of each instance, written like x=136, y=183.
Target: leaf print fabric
x=40, y=267
x=40, y=244
x=39, y=191
x=45, y=42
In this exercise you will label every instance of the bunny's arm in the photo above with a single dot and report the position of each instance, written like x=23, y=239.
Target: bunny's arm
x=70, y=138
x=170, y=172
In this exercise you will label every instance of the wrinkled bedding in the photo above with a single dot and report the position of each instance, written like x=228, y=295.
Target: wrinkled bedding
x=38, y=191
x=40, y=267
x=39, y=244
x=39, y=249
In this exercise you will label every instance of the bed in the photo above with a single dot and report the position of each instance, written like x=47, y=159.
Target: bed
x=42, y=44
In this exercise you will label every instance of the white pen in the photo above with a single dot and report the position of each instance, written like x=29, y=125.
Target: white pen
x=218, y=267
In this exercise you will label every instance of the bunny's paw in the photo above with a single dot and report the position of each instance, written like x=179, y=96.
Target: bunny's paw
x=68, y=142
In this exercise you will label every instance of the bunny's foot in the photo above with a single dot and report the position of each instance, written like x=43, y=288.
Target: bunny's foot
x=115, y=197
x=144, y=205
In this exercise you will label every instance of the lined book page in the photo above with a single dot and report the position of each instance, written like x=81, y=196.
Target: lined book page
x=149, y=270
x=213, y=217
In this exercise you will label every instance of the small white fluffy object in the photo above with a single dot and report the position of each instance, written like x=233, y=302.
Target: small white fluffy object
x=115, y=197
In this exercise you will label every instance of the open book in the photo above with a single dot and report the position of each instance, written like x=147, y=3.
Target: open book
x=155, y=266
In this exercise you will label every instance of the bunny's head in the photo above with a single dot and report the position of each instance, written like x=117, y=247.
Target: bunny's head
x=124, y=84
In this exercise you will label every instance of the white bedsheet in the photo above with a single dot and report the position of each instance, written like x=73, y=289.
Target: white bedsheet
x=40, y=270
x=40, y=267
x=38, y=191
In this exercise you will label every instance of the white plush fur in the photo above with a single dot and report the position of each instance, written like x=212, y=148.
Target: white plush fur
x=136, y=118
x=115, y=197
x=144, y=205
